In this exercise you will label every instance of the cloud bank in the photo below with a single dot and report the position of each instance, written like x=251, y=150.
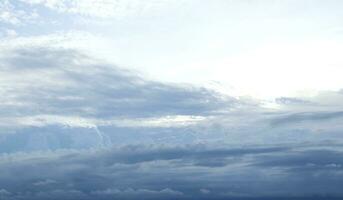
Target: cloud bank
x=50, y=93
x=175, y=172
x=74, y=127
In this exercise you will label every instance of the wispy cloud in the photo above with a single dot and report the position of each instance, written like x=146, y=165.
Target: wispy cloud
x=10, y=14
x=105, y=8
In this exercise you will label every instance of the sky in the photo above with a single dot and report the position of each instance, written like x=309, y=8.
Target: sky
x=257, y=48
x=171, y=99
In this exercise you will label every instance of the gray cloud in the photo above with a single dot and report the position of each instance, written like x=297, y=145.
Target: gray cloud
x=291, y=101
x=250, y=152
x=181, y=172
x=63, y=82
x=73, y=127
x=46, y=90
x=307, y=116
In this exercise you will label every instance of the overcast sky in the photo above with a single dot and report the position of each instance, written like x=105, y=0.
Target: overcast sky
x=171, y=99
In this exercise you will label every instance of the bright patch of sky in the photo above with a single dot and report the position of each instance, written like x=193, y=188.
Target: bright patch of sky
x=258, y=48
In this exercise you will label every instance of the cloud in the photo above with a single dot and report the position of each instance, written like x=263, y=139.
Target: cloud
x=44, y=182
x=64, y=82
x=59, y=123
x=51, y=95
x=76, y=127
x=60, y=98
x=131, y=193
x=307, y=162
x=205, y=191
x=291, y=101
x=12, y=15
x=104, y=8
x=308, y=116
x=4, y=192
x=167, y=172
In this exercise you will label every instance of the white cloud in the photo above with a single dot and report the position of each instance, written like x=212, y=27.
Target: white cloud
x=205, y=191
x=79, y=40
x=9, y=14
x=11, y=33
x=77, y=121
x=105, y=8
x=44, y=182
x=144, y=192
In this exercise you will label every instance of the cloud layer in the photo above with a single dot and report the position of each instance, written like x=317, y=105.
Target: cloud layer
x=175, y=172
x=86, y=129
x=76, y=125
x=47, y=93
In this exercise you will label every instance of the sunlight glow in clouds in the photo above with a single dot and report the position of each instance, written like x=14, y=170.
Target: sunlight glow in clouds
x=269, y=49
x=283, y=69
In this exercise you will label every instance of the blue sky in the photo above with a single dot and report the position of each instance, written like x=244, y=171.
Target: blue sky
x=171, y=99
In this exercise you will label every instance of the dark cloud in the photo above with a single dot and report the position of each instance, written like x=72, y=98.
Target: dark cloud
x=310, y=159
x=174, y=172
x=307, y=116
